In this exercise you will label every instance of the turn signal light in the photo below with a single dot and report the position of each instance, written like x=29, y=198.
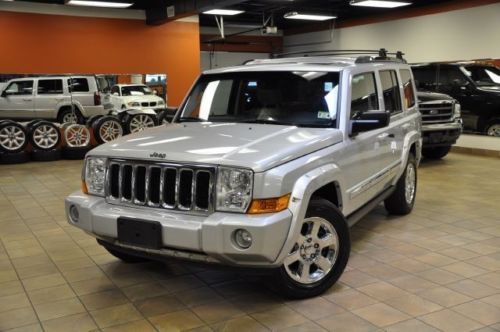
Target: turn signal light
x=83, y=187
x=269, y=205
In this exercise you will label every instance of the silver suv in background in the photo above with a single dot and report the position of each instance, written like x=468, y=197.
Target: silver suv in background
x=52, y=97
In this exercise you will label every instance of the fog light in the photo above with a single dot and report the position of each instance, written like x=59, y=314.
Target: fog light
x=74, y=215
x=242, y=238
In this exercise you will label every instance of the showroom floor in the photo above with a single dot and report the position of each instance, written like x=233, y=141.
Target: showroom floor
x=436, y=269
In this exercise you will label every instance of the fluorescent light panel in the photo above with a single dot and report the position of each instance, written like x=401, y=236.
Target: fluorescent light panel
x=379, y=3
x=224, y=12
x=105, y=4
x=308, y=17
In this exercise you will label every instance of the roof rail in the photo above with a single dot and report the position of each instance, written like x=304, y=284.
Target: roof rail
x=364, y=56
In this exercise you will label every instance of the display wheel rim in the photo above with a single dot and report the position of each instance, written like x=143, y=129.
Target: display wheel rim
x=45, y=136
x=12, y=137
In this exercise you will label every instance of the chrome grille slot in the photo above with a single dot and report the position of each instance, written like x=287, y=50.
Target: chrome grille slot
x=160, y=185
x=144, y=104
x=436, y=112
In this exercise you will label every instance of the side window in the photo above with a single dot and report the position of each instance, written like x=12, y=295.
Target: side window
x=407, y=88
x=20, y=88
x=115, y=90
x=363, y=94
x=49, y=87
x=425, y=77
x=390, y=89
x=450, y=76
x=78, y=84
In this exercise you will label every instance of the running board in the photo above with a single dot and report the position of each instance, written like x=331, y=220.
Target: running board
x=365, y=209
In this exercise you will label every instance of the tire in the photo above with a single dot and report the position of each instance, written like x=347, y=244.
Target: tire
x=14, y=158
x=44, y=155
x=31, y=123
x=44, y=136
x=92, y=119
x=76, y=136
x=402, y=199
x=162, y=118
x=493, y=128
x=436, y=153
x=106, y=129
x=139, y=122
x=65, y=113
x=125, y=257
x=75, y=153
x=322, y=217
x=13, y=137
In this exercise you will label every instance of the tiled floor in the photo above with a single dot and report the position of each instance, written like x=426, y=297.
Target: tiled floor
x=436, y=269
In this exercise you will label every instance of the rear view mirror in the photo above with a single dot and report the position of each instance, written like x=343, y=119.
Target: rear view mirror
x=369, y=120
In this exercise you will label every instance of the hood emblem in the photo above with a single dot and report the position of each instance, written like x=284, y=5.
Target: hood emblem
x=158, y=155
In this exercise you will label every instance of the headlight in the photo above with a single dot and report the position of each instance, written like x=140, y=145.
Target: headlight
x=457, y=111
x=134, y=104
x=95, y=174
x=234, y=189
x=161, y=102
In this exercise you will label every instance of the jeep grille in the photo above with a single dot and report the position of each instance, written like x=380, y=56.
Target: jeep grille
x=434, y=112
x=160, y=185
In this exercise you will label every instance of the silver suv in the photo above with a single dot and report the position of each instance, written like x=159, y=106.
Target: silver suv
x=51, y=97
x=265, y=165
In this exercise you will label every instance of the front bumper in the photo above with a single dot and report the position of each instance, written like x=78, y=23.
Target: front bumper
x=441, y=134
x=194, y=237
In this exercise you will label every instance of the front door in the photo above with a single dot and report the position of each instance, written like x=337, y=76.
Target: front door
x=16, y=101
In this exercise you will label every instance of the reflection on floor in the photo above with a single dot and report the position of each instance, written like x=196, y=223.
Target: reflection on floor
x=437, y=269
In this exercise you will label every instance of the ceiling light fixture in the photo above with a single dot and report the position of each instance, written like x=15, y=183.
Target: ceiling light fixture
x=106, y=4
x=223, y=12
x=308, y=17
x=379, y=3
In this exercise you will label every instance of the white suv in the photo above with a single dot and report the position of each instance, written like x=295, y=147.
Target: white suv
x=51, y=97
x=265, y=165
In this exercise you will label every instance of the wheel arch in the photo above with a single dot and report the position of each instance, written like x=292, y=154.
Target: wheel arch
x=65, y=106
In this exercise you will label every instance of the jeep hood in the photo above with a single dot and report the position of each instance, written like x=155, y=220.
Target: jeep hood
x=426, y=96
x=256, y=146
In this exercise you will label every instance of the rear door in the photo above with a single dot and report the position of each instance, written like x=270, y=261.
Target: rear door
x=16, y=101
x=49, y=95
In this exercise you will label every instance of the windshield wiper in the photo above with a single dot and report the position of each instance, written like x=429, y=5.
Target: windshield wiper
x=263, y=121
x=190, y=119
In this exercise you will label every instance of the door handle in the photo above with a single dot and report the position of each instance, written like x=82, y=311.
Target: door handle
x=385, y=135
x=24, y=99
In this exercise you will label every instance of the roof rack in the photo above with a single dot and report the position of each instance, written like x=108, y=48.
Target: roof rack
x=364, y=56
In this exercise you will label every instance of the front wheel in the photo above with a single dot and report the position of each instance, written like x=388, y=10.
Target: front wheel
x=493, y=128
x=402, y=199
x=319, y=255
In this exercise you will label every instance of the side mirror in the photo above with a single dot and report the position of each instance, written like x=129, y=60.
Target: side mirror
x=369, y=120
x=4, y=94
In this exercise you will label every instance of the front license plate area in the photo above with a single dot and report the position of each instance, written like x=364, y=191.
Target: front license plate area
x=140, y=233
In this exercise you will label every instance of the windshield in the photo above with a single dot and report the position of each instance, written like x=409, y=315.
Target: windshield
x=483, y=75
x=136, y=90
x=283, y=98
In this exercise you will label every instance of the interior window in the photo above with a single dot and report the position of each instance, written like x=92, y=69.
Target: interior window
x=46, y=87
x=449, y=76
x=363, y=94
x=20, y=88
x=78, y=84
x=425, y=77
x=390, y=88
x=407, y=88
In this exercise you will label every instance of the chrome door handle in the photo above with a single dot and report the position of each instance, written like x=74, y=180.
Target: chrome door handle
x=27, y=99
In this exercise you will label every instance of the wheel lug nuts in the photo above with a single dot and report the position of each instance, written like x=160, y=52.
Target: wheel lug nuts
x=316, y=245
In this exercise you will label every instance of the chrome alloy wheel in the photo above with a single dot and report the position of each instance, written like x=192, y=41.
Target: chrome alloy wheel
x=410, y=183
x=140, y=122
x=494, y=130
x=110, y=130
x=12, y=138
x=314, y=253
x=45, y=136
x=77, y=135
x=69, y=118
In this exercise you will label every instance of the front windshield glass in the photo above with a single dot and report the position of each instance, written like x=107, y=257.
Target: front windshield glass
x=483, y=75
x=283, y=98
x=136, y=90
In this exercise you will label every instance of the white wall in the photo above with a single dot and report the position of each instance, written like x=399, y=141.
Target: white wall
x=226, y=59
x=471, y=33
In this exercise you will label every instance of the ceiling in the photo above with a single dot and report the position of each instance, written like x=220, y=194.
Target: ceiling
x=256, y=10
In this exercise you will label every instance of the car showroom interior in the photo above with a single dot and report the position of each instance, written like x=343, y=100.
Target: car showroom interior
x=249, y=165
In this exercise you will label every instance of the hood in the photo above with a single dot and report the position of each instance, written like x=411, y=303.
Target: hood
x=424, y=96
x=256, y=146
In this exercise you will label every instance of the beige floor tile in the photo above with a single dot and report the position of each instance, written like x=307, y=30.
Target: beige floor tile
x=52, y=310
x=305, y=327
x=444, y=296
x=176, y=321
x=382, y=291
x=410, y=266
x=142, y=291
x=484, y=313
x=280, y=317
x=351, y=299
x=15, y=301
x=472, y=288
x=84, y=273
x=357, y=278
x=381, y=314
x=17, y=318
x=411, y=325
x=49, y=280
x=137, y=326
x=485, y=262
x=257, y=302
x=413, y=305
x=412, y=284
x=492, y=299
x=491, y=279
x=216, y=312
x=92, y=286
x=346, y=322
x=158, y=305
x=459, y=253
x=28, y=328
x=51, y=294
x=239, y=324
x=36, y=271
x=439, y=276
x=104, y=299
x=435, y=259
x=448, y=320
x=315, y=308
x=116, y=315
x=11, y=287
x=198, y=296
x=79, y=322
x=464, y=269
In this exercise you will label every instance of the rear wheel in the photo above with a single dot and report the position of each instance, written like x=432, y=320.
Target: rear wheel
x=436, y=152
x=493, y=128
x=67, y=115
x=403, y=198
x=319, y=255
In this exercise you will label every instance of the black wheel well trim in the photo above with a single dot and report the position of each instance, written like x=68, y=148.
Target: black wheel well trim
x=331, y=192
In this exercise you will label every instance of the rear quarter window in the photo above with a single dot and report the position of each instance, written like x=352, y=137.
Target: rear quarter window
x=409, y=94
x=78, y=85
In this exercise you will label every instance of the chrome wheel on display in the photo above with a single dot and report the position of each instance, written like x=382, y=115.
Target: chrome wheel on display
x=69, y=118
x=140, y=122
x=108, y=129
x=410, y=183
x=45, y=135
x=494, y=130
x=13, y=137
x=77, y=135
x=314, y=253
